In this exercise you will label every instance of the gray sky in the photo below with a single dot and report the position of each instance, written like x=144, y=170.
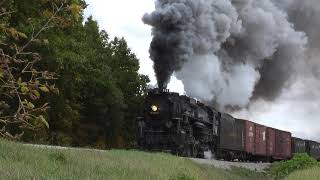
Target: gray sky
x=122, y=18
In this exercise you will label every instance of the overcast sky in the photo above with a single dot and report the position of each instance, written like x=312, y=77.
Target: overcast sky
x=122, y=18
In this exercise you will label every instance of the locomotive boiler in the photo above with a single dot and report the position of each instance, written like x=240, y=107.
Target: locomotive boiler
x=177, y=124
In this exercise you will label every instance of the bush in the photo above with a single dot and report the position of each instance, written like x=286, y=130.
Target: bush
x=281, y=169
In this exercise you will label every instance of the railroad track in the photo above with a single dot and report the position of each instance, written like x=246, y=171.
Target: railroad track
x=259, y=167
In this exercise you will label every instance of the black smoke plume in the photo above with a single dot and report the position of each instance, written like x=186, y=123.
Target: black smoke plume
x=232, y=52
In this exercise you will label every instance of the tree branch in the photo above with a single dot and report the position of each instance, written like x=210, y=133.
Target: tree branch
x=15, y=87
x=44, y=27
x=6, y=13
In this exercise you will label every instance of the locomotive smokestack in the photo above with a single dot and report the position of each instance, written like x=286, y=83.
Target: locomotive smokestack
x=226, y=51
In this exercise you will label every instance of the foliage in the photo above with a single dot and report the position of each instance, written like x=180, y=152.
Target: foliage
x=100, y=88
x=22, y=84
x=90, y=82
x=282, y=169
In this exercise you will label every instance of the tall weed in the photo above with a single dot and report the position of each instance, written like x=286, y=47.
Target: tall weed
x=282, y=169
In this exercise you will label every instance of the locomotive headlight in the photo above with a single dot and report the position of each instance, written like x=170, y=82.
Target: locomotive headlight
x=154, y=108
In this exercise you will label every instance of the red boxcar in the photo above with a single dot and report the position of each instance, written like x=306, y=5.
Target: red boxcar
x=265, y=141
x=255, y=138
x=283, y=144
x=249, y=136
x=271, y=141
x=260, y=140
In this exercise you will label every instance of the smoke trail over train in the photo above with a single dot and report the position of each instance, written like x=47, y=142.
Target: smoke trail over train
x=232, y=52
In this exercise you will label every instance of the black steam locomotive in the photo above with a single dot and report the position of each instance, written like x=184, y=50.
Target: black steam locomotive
x=186, y=127
x=178, y=124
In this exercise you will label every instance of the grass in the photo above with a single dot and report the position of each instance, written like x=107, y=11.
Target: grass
x=19, y=161
x=310, y=174
x=280, y=170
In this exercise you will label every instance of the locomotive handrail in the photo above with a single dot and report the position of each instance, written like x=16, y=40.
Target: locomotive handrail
x=198, y=119
x=139, y=118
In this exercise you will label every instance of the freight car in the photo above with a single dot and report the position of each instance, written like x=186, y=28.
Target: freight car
x=298, y=145
x=246, y=140
x=306, y=146
x=186, y=127
x=313, y=149
x=230, y=138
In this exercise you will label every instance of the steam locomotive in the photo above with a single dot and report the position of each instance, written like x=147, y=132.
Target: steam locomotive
x=186, y=127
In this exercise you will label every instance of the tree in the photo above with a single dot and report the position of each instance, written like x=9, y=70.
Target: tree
x=98, y=88
x=21, y=83
x=125, y=66
x=105, y=94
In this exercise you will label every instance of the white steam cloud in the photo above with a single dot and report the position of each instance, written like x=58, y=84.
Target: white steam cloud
x=229, y=52
x=205, y=79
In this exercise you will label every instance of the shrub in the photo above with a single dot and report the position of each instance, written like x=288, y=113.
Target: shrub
x=281, y=169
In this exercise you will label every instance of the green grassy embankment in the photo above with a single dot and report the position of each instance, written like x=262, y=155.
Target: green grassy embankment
x=301, y=166
x=19, y=161
x=307, y=174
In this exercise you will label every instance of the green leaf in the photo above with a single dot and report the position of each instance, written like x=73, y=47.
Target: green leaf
x=47, y=14
x=38, y=41
x=23, y=84
x=16, y=34
x=2, y=27
x=12, y=31
x=23, y=35
x=46, y=41
x=44, y=121
x=30, y=105
x=75, y=10
x=24, y=89
x=36, y=93
x=44, y=89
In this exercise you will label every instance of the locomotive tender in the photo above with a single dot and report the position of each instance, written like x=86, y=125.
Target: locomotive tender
x=184, y=126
